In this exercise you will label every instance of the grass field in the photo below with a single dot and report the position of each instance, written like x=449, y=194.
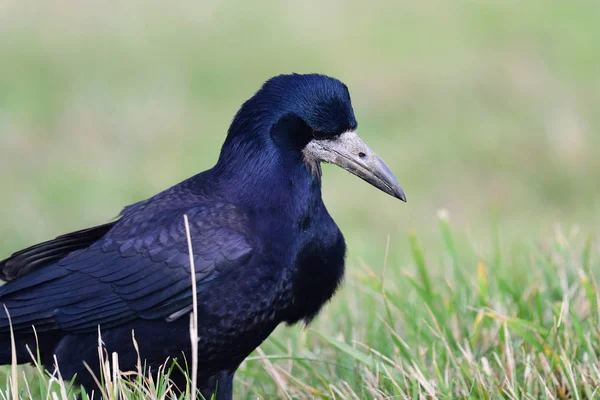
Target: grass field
x=484, y=285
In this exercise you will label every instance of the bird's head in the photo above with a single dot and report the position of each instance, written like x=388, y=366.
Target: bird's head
x=311, y=117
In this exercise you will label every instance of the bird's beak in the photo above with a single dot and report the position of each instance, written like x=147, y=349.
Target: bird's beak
x=352, y=154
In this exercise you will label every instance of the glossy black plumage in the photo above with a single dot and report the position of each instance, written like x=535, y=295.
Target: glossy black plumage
x=266, y=250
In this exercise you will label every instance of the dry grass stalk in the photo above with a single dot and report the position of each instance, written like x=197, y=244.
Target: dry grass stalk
x=194, y=315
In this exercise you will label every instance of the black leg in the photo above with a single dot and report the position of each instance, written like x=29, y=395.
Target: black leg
x=221, y=385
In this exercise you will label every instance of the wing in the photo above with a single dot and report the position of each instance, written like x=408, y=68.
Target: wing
x=140, y=269
x=49, y=252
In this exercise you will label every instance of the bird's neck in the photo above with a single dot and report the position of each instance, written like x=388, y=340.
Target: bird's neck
x=270, y=180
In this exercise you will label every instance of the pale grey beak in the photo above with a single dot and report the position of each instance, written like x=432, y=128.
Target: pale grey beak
x=352, y=154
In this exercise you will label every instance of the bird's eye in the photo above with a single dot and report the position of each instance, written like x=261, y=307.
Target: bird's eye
x=319, y=135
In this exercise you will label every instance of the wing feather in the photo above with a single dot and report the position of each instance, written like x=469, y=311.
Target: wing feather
x=31, y=258
x=138, y=268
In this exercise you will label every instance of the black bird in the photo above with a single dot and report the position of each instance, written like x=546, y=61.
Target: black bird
x=266, y=250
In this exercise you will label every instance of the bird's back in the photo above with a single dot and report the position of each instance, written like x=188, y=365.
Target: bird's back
x=137, y=267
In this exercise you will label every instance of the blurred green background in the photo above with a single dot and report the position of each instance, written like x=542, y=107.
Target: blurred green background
x=486, y=109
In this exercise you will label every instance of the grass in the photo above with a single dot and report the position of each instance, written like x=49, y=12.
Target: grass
x=509, y=324
x=517, y=324
x=485, y=108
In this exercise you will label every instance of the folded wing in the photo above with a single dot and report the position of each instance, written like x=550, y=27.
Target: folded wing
x=45, y=253
x=139, y=269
